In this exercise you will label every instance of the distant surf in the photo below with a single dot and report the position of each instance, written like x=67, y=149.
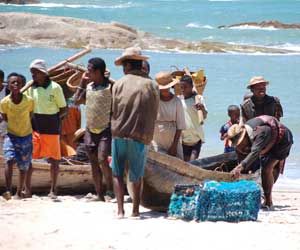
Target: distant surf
x=252, y=27
x=77, y=6
x=198, y=26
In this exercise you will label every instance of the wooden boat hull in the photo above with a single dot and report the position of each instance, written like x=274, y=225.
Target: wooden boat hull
x=72, y=179
x=163, y=172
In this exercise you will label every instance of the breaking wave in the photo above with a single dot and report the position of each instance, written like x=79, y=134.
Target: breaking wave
x=252, y=27
x=76, y=6
x=198, y=26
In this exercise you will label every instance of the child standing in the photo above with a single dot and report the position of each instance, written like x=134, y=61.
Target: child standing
x=193, y=135
x=16, y=109
x=234, y=114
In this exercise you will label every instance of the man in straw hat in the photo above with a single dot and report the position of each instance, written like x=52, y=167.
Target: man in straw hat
x=260, y=103
x=170, y=118
x=49, y=109
x=134, y=111
x=266, y=139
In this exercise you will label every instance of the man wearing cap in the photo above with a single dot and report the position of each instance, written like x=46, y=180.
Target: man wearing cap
x=134, y=111
x=266, y=139
x=260, y=103
x=49, y=109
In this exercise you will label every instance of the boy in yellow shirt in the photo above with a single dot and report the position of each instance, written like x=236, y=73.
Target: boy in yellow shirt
x=16, y=109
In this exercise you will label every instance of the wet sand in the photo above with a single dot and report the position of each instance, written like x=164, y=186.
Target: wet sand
x=77, y=223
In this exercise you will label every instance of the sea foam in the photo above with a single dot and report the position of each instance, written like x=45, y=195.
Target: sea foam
x=198, y=26
x=252, y=27
x=77, y=6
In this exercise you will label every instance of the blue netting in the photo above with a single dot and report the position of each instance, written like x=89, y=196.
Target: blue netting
x=215, y=201
x=183, y=203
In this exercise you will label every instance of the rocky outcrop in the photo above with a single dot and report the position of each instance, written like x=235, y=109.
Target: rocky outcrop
x=50, y=31
x=19, y=1
x=265, y=24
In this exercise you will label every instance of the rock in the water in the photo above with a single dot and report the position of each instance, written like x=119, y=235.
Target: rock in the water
x=51, y=31
x=19, y=1
x=265, y=24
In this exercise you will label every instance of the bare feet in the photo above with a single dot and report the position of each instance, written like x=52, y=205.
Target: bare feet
x=267, y=206
x=121, y=215
x=52, y=195
x=26, y=194
x=135, y=215
x=17, y=197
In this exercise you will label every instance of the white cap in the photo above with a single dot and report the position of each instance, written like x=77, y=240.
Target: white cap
x=40, y=65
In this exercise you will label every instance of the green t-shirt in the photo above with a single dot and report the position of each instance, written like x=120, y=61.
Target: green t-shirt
x=47, y=100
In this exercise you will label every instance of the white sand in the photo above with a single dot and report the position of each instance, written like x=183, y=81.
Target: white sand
x=74, y=223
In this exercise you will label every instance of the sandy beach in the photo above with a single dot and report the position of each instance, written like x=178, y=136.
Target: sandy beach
x=76, y=223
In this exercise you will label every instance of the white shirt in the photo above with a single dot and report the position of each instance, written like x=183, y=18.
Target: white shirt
x=194, y=130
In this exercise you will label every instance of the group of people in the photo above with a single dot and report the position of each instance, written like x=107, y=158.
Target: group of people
x=258, y=137
x=127, y=117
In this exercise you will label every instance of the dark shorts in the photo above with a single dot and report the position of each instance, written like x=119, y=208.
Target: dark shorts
x=99, y=144
x=195, y=149
x=282, y=150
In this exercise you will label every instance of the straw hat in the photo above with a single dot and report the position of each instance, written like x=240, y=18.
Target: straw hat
x=165, y=80
x=132, y=53
x=236, y=133
x=255, y=80
x=40, y=65
x=78, y=134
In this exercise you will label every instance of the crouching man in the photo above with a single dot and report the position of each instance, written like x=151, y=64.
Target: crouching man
x=264, y=138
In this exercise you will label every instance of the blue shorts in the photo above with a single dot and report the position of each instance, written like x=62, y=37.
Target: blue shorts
x=18, y=149
x=131, y=152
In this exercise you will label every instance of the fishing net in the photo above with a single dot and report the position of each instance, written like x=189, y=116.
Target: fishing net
x=183, y=203
x=217, y=201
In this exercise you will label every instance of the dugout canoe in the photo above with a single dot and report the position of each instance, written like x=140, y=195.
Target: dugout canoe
x=163, y=172
x=72, y=179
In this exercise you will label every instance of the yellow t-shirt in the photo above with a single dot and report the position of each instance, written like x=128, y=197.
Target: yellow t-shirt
x=18, y=115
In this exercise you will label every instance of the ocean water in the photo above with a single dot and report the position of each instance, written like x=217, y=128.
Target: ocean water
x=186, y=19
x=193, y=20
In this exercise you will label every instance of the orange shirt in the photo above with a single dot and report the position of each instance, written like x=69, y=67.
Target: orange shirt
x=72, y=122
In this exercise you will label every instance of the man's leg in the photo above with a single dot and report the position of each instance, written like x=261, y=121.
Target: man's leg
x=137, y=159
x=8, y=176
x=186, y=152
x=136, y=199
x=119, y=191
x=28, y=182
x=268, y=180
x=22, y=175
x=54, y=170
x=196, y=151
x=119, y=156
x=96, y=173
x=104, y=150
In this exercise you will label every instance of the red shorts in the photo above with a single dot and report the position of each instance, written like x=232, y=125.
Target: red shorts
x=45, y=146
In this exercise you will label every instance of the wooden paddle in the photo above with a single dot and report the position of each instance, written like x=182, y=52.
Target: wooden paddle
x=60, y=64
x=83, y=69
